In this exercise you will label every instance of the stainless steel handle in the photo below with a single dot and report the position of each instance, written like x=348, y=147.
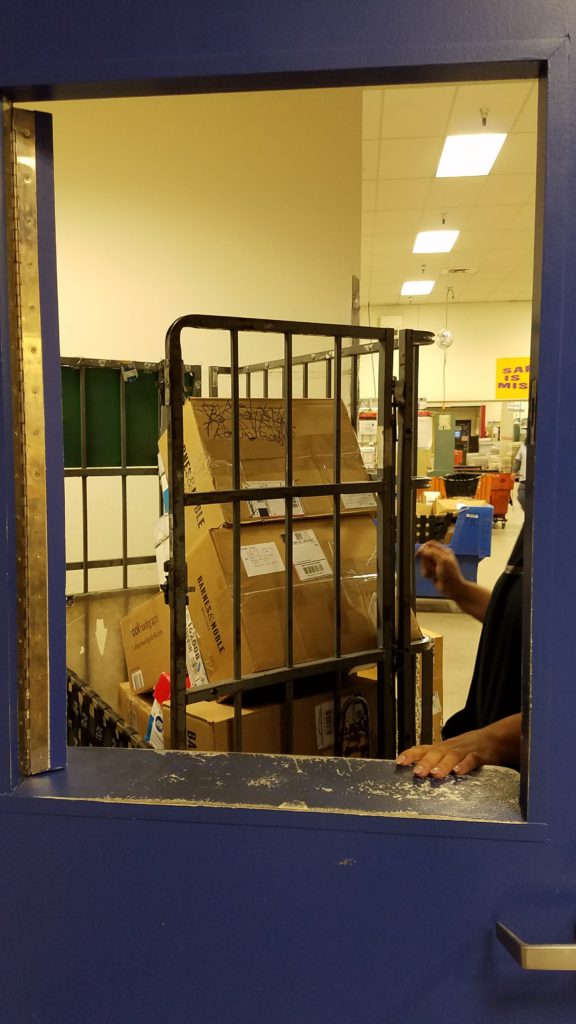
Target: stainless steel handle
x=536, y=958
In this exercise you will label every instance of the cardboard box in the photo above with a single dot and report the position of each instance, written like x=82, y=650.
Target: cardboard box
x=133, y=709
x=209, y=654
x=263, y=594
x=209, y=724
x=443, y=505
x=437, y=686
x=208, y=457
x=146, y=639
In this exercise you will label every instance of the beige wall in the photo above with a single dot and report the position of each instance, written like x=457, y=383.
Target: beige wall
x=482, y=333
x=244, y=204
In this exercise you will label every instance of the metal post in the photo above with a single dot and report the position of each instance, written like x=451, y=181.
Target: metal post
x=124, y=497
x=236, y=538
x=336, y=471
x=386, y=539
x=289, y=535
x=177, y=576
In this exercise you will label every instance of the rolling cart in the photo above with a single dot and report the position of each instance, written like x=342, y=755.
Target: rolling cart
x=395, y=653
x=496, y=488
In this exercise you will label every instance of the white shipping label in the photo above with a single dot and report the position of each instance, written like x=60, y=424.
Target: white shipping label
x=273, y=508
x=358, y=501
x=261, y=559
x=308, y=557
x=137, y=680
x=324, y=714
x=194, y=663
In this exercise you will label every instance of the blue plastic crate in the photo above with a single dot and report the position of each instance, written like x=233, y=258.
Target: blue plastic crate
x=471, y=542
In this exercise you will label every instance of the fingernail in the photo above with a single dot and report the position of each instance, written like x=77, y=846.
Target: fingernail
x=401, y=759
x=456, y=768
x=434, y=770
x=418, y=771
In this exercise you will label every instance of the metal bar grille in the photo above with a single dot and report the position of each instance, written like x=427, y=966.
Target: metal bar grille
x=124, y=471
x=386, y=654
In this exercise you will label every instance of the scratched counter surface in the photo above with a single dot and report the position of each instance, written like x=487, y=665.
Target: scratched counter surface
x=278, y=783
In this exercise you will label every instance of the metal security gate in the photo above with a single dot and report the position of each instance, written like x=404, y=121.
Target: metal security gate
x=392, y=485
x=112, y=413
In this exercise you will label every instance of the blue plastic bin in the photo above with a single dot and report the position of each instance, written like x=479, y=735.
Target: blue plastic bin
x=471, y=541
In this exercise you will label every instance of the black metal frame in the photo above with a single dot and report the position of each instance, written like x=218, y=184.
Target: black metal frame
x=395, y=652
x=123, y=471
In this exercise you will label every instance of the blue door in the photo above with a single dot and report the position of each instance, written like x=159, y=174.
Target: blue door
x=244, y=888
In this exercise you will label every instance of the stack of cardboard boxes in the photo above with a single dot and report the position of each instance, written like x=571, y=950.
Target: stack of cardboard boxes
x=207, y=467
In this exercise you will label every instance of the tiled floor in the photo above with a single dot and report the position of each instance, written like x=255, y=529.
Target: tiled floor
x=461, y=632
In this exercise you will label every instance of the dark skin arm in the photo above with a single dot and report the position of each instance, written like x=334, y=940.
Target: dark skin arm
x=498, y=743
x=440, y=564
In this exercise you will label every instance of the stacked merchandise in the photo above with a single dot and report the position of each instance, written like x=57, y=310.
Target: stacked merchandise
x=209, y=541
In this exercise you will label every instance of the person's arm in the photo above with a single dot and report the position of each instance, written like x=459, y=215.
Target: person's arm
x=498, y=743
x=439, y=563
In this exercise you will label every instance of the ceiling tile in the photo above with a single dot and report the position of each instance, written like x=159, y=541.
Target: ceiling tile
x=409, y=158
x=369, y=192
x=528, y=116
x=450, y=193
x=371, y=113
x=402, y=195
x=502, y=101
x=506, y=189
x=518, y=155
x=370, y=151
x=416, y=112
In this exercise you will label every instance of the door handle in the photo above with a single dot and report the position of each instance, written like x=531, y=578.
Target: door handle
x=537, y=958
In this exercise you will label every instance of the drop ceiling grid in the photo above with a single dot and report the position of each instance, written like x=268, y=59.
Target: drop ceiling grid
x=403, y=133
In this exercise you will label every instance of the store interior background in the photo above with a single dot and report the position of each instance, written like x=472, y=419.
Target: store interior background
x=267, y=205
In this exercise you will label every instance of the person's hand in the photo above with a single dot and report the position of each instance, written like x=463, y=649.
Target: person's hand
x=439, y=759
x=497, y=743
x=439, y=564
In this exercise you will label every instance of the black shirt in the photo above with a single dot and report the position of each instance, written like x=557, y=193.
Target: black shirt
x=495, y=690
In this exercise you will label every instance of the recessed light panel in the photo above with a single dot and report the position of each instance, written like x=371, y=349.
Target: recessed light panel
x=466, y=156
x=417, y=287
x=435, y=241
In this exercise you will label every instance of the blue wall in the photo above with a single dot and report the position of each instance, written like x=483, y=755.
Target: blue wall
x=114, y=909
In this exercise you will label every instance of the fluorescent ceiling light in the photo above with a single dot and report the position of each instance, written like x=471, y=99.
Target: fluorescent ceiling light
x=435, y=241
x=417, y=287
x=467, y=155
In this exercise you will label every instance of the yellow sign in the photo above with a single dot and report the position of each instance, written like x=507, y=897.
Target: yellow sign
x=512, y=378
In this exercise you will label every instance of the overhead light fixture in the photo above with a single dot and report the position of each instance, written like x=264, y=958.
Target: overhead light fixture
x=417, y=287
x=466, y=156
x=435, y=241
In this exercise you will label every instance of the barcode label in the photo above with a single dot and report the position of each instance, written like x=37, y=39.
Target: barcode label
x=314, y=569
x=137, y=681
x=308, y=557
x=324, y=714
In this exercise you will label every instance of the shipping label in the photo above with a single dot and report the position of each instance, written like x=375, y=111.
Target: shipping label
x=273, y=508
x=358, y=501
x=194, y=662
x=308, y=557
x=261, y=559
